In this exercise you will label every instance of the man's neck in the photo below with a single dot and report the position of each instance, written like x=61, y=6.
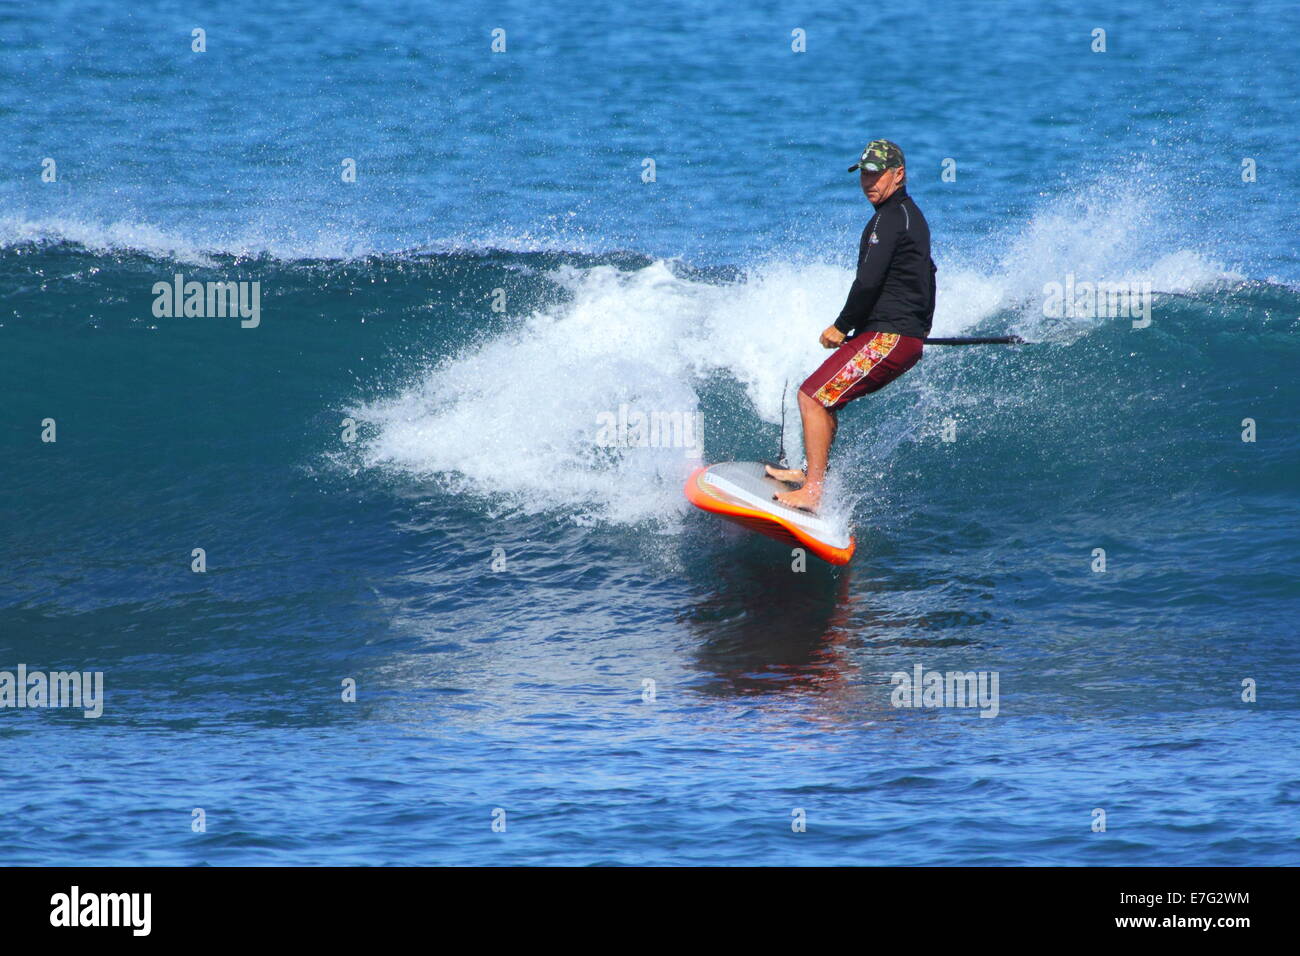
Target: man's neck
x=897, y=195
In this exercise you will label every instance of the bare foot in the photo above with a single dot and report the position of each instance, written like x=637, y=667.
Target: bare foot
x=806, y=498
x=791, y=476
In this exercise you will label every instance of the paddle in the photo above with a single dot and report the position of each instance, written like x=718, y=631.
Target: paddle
x=995, y=340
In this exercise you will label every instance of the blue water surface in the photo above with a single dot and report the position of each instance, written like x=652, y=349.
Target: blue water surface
x=542, y=632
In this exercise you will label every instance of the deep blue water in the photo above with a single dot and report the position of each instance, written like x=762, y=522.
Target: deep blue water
x=519, y=685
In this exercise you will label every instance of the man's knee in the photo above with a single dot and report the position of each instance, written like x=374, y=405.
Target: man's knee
x=809, y=404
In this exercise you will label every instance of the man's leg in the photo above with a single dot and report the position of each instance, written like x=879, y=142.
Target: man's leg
x=860, y=366
x=819, y=424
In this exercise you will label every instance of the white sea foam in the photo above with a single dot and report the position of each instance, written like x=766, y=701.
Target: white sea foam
x=1095, y=234
x=150, y=240
x=100, y=237
x=277, y=243
x=514, y=419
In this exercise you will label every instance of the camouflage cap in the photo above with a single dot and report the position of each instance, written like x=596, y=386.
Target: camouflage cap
x=879, y=155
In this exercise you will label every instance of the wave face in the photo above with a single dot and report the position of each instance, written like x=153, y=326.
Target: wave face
x=477, y=537
x=423, y=470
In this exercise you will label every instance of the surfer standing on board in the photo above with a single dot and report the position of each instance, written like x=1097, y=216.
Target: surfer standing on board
x=878, y=335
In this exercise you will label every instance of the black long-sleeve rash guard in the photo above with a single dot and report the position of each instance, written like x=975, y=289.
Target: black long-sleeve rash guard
x=894, y=288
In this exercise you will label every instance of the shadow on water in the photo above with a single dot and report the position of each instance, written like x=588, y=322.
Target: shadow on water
x=764, y=628
x=760, y=627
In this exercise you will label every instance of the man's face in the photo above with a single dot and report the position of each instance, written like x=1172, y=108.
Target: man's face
x=880, y=186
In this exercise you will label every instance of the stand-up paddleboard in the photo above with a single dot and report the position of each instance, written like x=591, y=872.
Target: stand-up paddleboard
x=741, y=491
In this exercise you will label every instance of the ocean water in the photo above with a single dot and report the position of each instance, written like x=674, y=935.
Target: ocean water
x=539, y=628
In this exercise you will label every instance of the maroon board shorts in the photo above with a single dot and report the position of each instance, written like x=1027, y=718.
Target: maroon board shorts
x=863, y=364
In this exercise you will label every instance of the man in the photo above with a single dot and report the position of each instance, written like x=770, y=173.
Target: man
x=887, y=315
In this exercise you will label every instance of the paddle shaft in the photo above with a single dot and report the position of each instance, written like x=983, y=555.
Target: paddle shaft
x=995, y=340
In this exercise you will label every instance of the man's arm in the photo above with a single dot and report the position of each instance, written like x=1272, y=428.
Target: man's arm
x=872, y=267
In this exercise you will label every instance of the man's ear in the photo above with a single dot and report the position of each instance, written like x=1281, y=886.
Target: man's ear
x=902, y=175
